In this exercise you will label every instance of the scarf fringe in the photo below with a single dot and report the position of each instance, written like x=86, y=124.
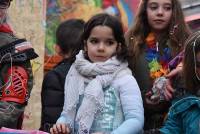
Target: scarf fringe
x=96, y=110
x=98, y=76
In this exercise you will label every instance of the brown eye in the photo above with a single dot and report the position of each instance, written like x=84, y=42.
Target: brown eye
x=153, y=6
x=93, y=41
x=168, y=8
x=110, y=42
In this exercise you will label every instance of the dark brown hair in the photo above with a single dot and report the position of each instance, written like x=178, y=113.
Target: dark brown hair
x=104, y=19
x=192, y=47
x=68, y=36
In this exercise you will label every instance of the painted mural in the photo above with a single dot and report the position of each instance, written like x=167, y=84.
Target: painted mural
x=59, y=10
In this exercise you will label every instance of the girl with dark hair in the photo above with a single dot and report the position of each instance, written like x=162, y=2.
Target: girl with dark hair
x=101, y=95
x=156, y=37
x=184, y=114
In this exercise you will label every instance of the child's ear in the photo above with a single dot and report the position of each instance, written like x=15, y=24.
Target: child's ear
x=119, y=47
x=57, y=49
x=85, y=46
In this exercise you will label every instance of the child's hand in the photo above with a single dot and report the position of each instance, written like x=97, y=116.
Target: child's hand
x=150, y=100
x=60, y=129
x=169, y=89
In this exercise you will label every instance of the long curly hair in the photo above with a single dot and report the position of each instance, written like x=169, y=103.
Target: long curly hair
x=177, y=31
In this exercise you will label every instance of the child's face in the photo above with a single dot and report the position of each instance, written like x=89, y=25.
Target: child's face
x=2, y=12
x=101, y=44
x=4, y=4
x=159, y=14
x=2, y=15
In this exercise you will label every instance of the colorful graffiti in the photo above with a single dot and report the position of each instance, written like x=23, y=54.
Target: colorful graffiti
x=59, y=10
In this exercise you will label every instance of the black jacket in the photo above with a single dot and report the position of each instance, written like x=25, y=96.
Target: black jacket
x=52, y=95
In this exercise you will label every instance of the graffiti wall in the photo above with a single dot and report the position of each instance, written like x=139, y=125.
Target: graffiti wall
x=59, y=10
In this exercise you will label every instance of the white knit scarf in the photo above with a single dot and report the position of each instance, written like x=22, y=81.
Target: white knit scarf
x=98, y=76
